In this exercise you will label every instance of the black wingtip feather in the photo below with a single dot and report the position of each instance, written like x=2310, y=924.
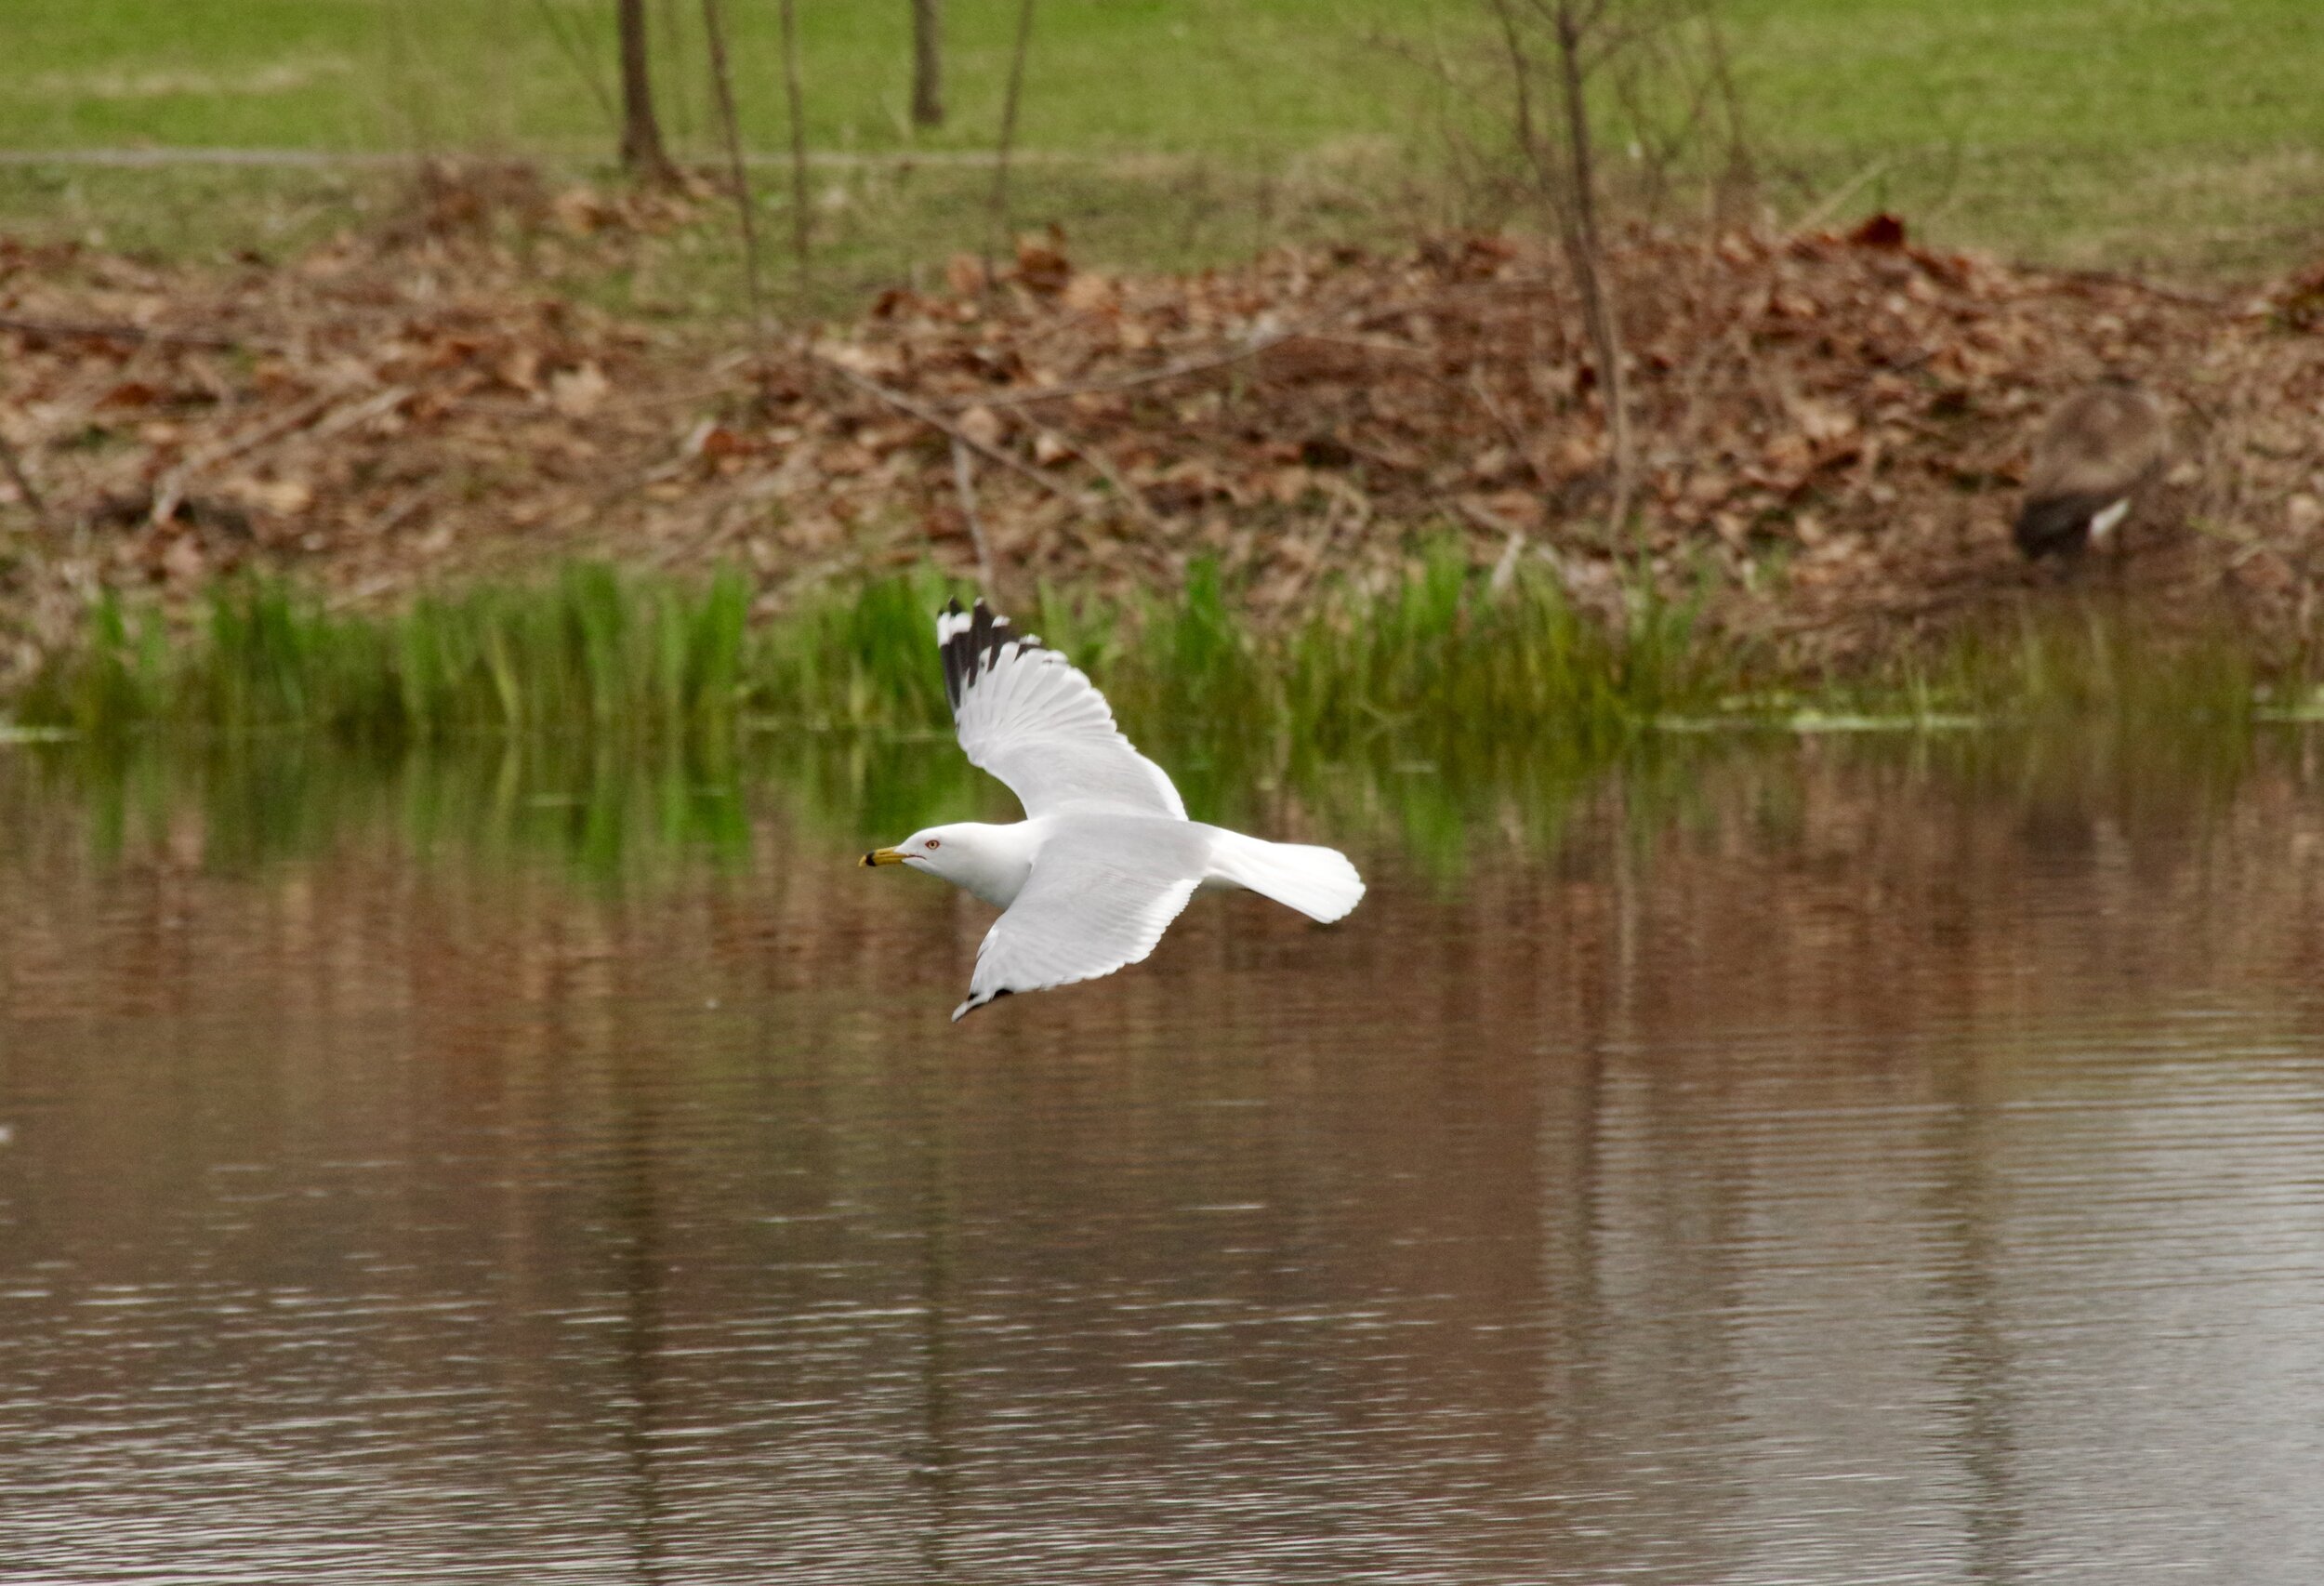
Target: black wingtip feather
x=985, y=1000
x=971, y=650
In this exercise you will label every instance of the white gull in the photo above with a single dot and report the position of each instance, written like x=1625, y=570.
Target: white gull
x=1105, y=857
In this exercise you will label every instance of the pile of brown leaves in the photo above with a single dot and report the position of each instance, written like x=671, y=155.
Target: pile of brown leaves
x=1830, y=428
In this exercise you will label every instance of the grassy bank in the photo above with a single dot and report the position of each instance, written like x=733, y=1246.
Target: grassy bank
x=1449, y=662
x=633, y=660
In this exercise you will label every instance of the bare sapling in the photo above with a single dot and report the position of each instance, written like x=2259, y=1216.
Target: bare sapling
x=795, y=103
x=737, y=173
x=579, y=59
x=1675, y=96
x=1001, y=224
x=1665, y=67
x=643, y=154
x=1562, y=159
x=928, y=63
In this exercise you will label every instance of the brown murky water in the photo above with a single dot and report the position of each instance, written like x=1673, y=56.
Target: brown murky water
x=1830, y=1168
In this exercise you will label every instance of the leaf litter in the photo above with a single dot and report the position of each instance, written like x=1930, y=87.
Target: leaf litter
x=1832, y=425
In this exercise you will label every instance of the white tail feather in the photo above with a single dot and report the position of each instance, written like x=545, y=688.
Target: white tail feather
x=1319, y=882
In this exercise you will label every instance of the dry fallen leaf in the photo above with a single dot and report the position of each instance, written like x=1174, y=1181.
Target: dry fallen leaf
x=1091, y=293
x=983, y=426
x=964, y=273
x=576, y=393
x=283, y=497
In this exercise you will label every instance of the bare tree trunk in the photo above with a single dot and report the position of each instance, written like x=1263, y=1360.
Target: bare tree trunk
x=1585, y=253
x=642, y=153
x=928, y=63
x=1568, y=180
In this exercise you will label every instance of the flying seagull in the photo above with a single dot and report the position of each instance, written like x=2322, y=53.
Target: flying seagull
x=2102, y=447
x=1105, y=856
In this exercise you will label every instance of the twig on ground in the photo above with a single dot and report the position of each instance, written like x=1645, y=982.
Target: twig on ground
x=1830, y=204
x=397, y=512
x=371, y=407
x=120, y=332
x=1132, y=497
x=964, y=485
x=1505, y=569
x=171, y=493
x=1517, y=439
x=14, y=463
x=1484, y=517
x=378, y=584
x=2145, y=288
x=912, y=408
x=1361, y=343
x=1250, y=349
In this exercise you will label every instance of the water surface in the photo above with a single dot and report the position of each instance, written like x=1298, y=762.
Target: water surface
x=1804, y=1164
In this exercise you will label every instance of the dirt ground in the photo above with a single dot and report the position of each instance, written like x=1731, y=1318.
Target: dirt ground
x=1832, y=428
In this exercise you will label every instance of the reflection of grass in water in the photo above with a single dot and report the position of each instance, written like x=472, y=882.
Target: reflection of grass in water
x=616, y=814
x=633, y=816
x=607, y=813
x=598, y=711
x=612, y=719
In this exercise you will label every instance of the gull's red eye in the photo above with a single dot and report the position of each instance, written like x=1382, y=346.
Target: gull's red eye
x=932, y=842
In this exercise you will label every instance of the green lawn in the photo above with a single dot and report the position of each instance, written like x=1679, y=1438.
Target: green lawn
x=2180, y=133
x=2124, y=132
x=1219, y=77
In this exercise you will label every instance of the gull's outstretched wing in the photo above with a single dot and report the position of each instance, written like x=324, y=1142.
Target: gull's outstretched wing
x=1028, y=716
x=1095, y=902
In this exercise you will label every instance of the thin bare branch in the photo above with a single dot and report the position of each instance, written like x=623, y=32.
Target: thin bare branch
x=171, y=494
x=1519, y=442
x=964, y=485
x=570, y=47
x=1131, y=498
x=1830, y=204
x=1008, y=126
x=1586, y=251
x=912, y=408
x=722, y=89
x=796, y=98
x=1249, y=349
x=116, y=331
x=13, y=462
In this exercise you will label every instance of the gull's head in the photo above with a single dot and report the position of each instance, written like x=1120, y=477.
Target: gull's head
x=949, y=852
x=989, y=861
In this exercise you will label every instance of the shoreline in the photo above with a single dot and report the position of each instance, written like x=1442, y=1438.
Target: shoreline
x=1833, y=428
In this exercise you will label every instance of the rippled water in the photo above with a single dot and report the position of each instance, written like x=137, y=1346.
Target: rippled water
x=1831, y=1167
